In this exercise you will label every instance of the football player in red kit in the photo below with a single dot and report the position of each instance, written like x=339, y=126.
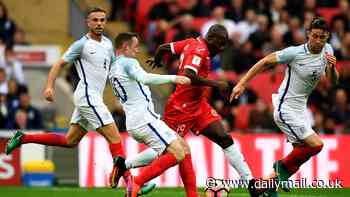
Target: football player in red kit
x=187, y=108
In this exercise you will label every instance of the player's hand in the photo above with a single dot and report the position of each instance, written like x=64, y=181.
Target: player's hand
x=331, y=60
x=237, y=91
x=182, y=80
x=154, y=64
x=49, y=94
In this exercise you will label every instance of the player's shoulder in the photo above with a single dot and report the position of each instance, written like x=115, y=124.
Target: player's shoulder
x=296, y=49
x=80, y=42
x=107, y=40
x=299, y=48
x=198, y=46
x=126, y=61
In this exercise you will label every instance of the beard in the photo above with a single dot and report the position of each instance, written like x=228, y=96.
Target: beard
x=98, y=31
x=317, y=48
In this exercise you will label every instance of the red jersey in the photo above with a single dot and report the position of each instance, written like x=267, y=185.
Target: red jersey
x=194, y=56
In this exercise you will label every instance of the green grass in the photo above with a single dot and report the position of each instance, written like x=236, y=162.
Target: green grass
x=163, y=192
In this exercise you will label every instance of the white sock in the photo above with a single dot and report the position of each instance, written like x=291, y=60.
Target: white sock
x=237, y=161
x=141, y=159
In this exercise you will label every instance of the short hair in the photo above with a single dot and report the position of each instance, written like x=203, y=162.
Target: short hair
x=95, y=9
x=217, y=30
x=123, y=37
x=319, y=23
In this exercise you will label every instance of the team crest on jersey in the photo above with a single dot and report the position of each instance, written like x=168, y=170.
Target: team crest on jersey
x=196, y=60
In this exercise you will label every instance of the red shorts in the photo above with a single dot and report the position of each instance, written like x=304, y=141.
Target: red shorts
x=182, y=122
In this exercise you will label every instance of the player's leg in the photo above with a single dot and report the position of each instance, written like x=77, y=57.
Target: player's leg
x=301, y=153
x=306, y=143
x=111, y=133
x=141, y=159
x=187, y=173
x=99, y=118
x=215, y=132
x=160, y=137
x=208, y=123
x=185, y=166
x=173, y=155
x=71, y=139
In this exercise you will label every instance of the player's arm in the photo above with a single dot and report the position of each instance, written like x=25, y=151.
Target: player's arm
x=136, y=72
x=280, y=57
x=71, y=54
x=192, y=64
x=261, y=65
x=156, y=62
x=49, y=91
x=201, y=81
x=173, y=47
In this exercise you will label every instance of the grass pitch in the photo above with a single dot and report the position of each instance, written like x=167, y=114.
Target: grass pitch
x=159, y=192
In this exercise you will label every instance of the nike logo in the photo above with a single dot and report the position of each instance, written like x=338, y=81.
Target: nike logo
x=301, y=65
x=92, y=52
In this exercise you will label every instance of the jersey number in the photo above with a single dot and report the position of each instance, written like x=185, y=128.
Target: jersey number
x=119, y=90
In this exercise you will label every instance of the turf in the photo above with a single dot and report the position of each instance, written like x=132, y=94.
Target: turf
x=163, y=192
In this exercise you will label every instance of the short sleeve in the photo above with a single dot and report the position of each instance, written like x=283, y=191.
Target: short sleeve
x=178, y=47
x=133, y=69
x=193, y=61
x=73, y=51
x=286, y=55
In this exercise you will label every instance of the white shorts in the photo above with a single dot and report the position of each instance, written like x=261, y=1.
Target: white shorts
x=156, y=135
x=293, y=124
x=91, y=118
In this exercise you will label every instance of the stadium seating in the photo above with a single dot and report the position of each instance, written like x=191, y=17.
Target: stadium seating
x=328, y=13
x=142, y=10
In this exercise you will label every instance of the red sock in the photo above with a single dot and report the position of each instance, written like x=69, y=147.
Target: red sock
x=117, y=150
x=188, y=176
x=51, y=139
x=156, y=168
x=298, y=156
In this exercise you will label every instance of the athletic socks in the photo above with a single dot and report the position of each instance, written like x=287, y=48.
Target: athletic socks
x=156, y=168
x=51, y=139
x=141, y=159
x=117, y=150
x=298, y=156
x=188, y=176
x=237, y=161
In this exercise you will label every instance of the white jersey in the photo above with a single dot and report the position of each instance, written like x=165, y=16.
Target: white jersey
x=134, y=96
x=301, y=77
x=92, y=60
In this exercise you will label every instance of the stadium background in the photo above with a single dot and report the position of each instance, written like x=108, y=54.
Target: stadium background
x=36, y=32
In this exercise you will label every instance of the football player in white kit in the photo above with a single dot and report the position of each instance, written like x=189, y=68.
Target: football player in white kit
x=306, y=64
x=129, y=82
x=92, y=56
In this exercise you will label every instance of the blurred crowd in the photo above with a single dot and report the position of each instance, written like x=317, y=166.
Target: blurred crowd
x=16, y=110
x=256, y=28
